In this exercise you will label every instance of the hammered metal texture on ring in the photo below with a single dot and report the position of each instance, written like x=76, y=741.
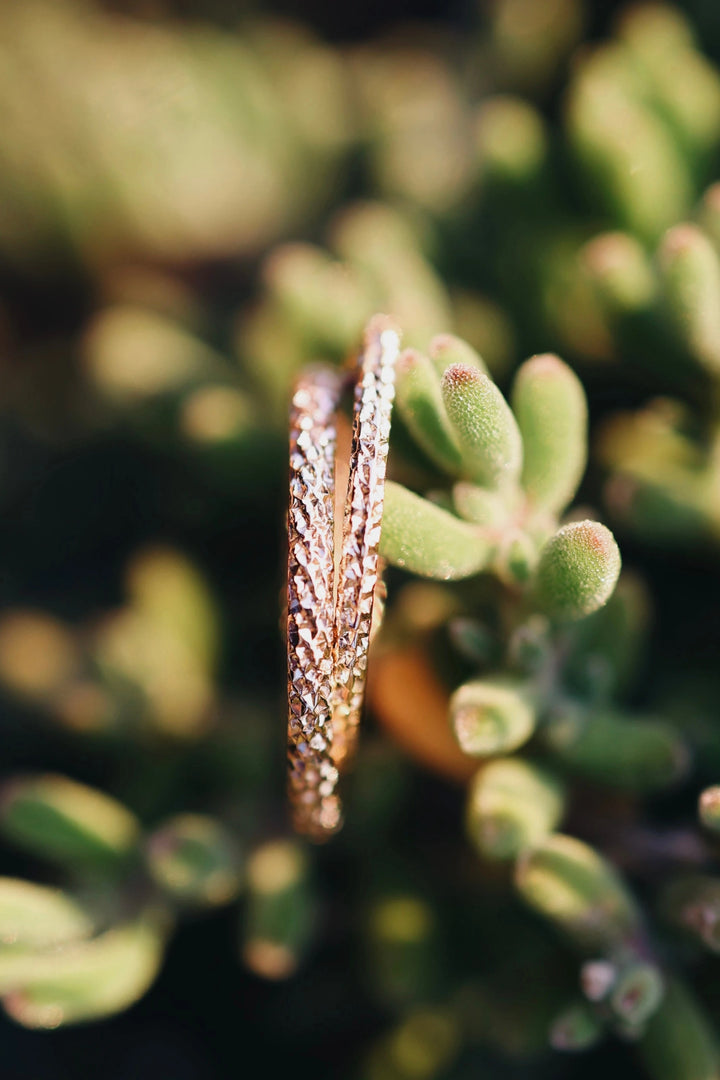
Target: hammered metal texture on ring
x=359, y=570
x=330, y=617
x=312, y=774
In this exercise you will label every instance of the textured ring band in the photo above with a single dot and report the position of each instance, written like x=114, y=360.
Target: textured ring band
x=329, y=617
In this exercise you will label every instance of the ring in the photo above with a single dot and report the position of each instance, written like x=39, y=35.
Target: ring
x=330, y=601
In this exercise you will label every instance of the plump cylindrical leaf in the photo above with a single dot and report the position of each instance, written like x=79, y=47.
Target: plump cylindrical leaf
x=279, y=912
x=83, y=981
x=480, y=506
x=578, y=570
x=419, y=402
x=679, y=1042
x=37, y=917
x=68, y=822
x=491, y=716
x=621, y=273
x=690, y=269
x=512, y=804
x=551, y=410
x=577, y=889
x=427, y=540
x=630, y=752
x=486, y=430
x=446, y=349
x=193, y=858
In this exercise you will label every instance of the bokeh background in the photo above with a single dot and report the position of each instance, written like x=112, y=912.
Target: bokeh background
x=196, y=198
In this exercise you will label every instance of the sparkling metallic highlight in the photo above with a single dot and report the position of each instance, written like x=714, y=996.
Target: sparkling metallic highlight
x=329, y=635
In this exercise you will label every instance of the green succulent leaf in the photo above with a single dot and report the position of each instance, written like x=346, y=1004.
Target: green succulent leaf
x=628, y=752
x=486, y=430
x=551, y=410
x=428, y=541
x=492, y=716
x=679, y=1042
x=420, y=404
x=67, y=822
x=86, y=980
x=577, y=889
x=578, y=570
x=194, y=859
x=690, y=269
x=512, y=804
x=37, y=917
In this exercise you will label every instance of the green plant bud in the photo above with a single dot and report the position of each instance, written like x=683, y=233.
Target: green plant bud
x=324, y=300
x=491, y=716
x=402, y=946
x=630, y=158
x=429, y=541
x=679, y=1042
x=550, y=407
x=419, y=401
x=512, y=805
x=516, y=558
x=622, y=751
x=279, y=913
x=660, y=35
x=133, y=354
x=621, y=273
x=511, y=140
x=447, y=349
x=637, y=994
x=473, y=640
x=480, y=506
x=490, y=443
x=576, y=1028
x=573, y=886
x=86, y=980
x=67, y=822
x=690, y=269
x=693, y=903
x=37, y=917
x=165, y=587
x=194, y=859
x=605, y=649
x=709, y=808
x=578, y=570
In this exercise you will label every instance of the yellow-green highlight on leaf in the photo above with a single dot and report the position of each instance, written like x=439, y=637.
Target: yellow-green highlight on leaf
x=577, y=889
x=86, y=980
x=512, y=804
x=38, y=917
x=551, y=410
x=426, y=540
x=67, y=822
x=486, y=430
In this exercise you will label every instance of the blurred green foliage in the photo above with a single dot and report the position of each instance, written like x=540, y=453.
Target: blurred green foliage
x=192, y=209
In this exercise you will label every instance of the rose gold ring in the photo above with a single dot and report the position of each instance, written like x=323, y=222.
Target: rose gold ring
x=330, y=601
